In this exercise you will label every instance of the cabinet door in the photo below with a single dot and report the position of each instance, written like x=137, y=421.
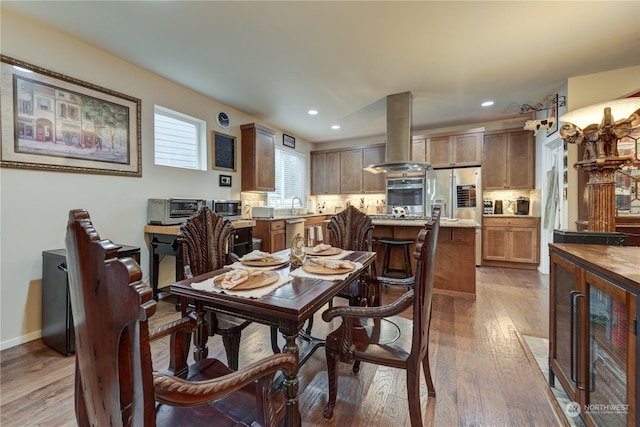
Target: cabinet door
x=440, y=152
x=494, y=243
x=524, y=244
x=372, y=182
x=520, y=160
x=467, y=149
x=494, y=169
x=609, y=380
x=278, y=240
x=351, y=171
x=318, y=173
x=419, y=149
x=258, y=158
x=325, y=172
x=564, y=296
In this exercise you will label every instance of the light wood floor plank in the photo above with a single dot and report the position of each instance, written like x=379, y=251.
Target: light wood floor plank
x=481, y=374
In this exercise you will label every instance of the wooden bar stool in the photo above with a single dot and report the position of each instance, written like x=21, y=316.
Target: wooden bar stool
x=387, y=270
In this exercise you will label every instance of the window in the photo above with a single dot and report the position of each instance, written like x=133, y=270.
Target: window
x=291, y=171
x=180, y=140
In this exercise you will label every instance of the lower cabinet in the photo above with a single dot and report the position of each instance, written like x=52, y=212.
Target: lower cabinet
x=511, y=241
x=593, y=330
x=272, y=233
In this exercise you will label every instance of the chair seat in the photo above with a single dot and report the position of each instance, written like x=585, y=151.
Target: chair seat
x=225, y=412
x=386, y=341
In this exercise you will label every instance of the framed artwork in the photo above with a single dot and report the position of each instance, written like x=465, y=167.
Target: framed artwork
x=288, y=141
x=225, y=181
x=59, y=123
x=224, y=152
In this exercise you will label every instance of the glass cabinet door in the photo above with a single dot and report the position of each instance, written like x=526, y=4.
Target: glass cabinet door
x=610, y=317
x=564, y=355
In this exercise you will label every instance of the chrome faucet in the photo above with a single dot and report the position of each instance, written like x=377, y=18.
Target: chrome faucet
x=293, y=203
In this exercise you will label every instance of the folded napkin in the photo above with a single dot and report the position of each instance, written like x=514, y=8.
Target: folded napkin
x=259, y=256
x=300, y=272
x=332, y=264
x=207, y=285
x=233, y=278
x=321, y=247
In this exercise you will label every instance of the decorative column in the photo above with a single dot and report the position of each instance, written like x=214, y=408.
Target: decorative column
x=602, y=192
x=596, y=128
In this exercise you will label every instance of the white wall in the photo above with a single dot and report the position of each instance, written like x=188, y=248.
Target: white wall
x=34, y=205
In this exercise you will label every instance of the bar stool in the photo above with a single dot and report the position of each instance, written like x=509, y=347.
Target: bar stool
x=389, y=245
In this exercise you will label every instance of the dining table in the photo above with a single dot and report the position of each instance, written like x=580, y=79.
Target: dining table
x=286, y=305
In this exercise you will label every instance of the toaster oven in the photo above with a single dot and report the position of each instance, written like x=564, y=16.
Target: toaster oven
x=230, y=209
x=172, y=210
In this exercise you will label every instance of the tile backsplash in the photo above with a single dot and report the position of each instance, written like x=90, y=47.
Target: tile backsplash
x=509, y=198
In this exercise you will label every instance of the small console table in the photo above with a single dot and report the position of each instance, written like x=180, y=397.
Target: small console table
x=163, y=241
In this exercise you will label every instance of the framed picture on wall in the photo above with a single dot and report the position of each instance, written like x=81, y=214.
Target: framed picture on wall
x=288, y=141
x=223, y=152
x=59, y=123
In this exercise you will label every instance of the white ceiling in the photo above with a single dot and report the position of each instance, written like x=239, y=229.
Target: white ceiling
x=276, y=60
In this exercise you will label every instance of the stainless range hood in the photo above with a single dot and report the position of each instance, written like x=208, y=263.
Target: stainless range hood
x=398, y=147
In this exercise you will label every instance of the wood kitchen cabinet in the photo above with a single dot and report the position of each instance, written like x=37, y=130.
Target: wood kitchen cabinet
x=258, y=158
x=508, y=160
x=340, y=171
x=325, y=172
x=351, y=171
x=373, y=182
x=593, y=306
x=458, y=150
x=272, y=233
x=511, y=242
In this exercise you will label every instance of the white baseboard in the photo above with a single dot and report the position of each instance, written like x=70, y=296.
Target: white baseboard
x=20, y=340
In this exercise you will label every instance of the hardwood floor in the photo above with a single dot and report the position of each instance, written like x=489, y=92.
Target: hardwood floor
x=481, y=374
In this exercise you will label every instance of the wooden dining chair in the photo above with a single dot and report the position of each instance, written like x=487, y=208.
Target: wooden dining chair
x=115, y=382
x=206, y=242
x=380, y=336
x=352, y=230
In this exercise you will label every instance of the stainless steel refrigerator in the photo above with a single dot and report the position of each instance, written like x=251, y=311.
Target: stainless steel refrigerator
x=459, y=193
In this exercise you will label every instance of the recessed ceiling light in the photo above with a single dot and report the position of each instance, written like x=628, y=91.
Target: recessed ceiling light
x=335, y=127
x=313, y=112
x=487, y=104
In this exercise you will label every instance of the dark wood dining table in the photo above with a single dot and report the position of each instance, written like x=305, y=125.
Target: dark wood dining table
x=287, y=308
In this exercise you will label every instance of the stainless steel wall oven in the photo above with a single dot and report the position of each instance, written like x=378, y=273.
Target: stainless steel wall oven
x=407, y=193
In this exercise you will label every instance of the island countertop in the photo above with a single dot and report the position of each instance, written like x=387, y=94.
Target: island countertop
x=408, y=222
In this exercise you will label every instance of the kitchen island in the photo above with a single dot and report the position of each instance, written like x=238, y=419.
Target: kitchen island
x=455, y=271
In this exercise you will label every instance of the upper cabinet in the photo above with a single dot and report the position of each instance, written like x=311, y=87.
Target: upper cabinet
x=458, y=150
x=340, y=171
x=258, y=158
x=325, y=176
x=373, y=182
x=508, y=160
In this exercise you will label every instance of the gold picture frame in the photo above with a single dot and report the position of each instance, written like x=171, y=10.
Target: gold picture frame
x=55, y=122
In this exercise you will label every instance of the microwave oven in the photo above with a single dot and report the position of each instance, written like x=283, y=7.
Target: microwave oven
x=231, y=209
x=172, y=210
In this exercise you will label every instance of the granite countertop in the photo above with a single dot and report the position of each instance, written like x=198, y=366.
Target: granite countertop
x=401, y=222
x=174, y=229
x=284, y=218
x=509, y=216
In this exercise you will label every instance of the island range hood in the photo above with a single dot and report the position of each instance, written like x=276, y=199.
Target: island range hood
x=398, y=145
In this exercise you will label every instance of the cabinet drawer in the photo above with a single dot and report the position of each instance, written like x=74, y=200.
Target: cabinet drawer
x=277, y=225
x=511, y=222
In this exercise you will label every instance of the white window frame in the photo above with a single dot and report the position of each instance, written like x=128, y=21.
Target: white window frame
x=283, y=196
x=181, y=148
